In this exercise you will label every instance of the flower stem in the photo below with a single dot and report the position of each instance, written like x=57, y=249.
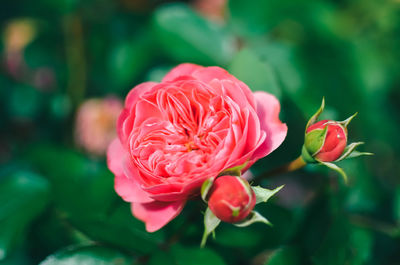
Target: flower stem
x=289, y=167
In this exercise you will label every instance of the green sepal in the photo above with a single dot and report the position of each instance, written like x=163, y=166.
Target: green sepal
x=314, y=117
x=205, y=188
x=306, y=156
x=234, y=171
x=210, y=223
x=253, y=217
x=346, y=122
x=357, y=154
x=337, y=169
x=348, y=150
x=263, y=194
x=315, y=140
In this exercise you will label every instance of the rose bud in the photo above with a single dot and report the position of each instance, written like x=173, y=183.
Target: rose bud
x=231, y=198
x=326, y=140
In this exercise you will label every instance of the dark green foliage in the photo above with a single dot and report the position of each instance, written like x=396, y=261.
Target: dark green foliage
x=58, y=204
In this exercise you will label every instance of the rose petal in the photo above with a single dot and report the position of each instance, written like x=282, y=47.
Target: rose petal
x=126, y=187
x=268, y=109
x=136, y=92
x=129, y=190
x=181, y=70
x=115, y=156
x=156, y=214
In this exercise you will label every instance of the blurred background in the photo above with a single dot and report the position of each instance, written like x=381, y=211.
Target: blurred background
x=67, y=65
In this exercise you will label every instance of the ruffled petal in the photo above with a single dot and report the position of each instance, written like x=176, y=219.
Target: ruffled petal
x=185, y=69
x=136, y=92
x=125, y=186
x=156, y=214
x=268, y=108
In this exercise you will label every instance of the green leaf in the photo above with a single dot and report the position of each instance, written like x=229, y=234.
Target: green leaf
x=263, y=194
x=187, y=37
x=161, y=257
x=128, y=59
x=88, y=255
x=24, y=102
x=195, y=256
x=257, y=74
x=284, y=256
x=210, y=223
x=396, y=205
x=120, y=229
x=249, y=17
x=254, y=217
x=71, y=174
x=23, y=196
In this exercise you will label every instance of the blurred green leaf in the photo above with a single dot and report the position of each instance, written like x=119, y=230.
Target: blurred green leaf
x=121, y=229
x=128, y=59
x=23, y=196
x=254, y=72
x=259, y=235
x=186, y=36
x=19, y=256
x=161, y=257
x=396, y=208
x=249, y=17
x=89, y=255
x=81, y=187
x=284, y=59
x=195, y=256
x=180, y=255
x=344, y=244
x=284, y=256
x=361, y=246
x=24, y=102
x=246, y=237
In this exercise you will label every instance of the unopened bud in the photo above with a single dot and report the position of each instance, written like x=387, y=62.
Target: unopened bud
x=326, y=140
x=231, y=198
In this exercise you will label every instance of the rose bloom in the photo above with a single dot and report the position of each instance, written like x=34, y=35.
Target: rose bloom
x=175, y=134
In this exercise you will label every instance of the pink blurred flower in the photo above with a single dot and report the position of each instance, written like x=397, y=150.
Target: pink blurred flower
x=174, y=135
x=212, y=9
x=96, y=124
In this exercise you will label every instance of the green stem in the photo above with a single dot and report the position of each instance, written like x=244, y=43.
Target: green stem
x=289, y=167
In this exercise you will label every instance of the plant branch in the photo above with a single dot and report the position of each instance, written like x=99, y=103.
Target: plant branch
x=289, y=167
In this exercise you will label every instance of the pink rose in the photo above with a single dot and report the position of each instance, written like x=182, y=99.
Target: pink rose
x=190, y=127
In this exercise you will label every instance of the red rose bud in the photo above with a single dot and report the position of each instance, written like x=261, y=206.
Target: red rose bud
x=326, y=140
x=231, y=198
